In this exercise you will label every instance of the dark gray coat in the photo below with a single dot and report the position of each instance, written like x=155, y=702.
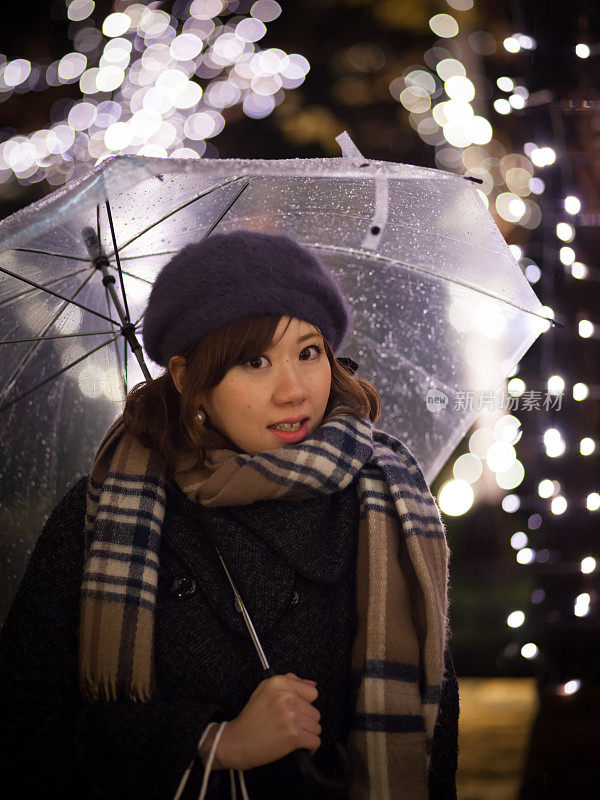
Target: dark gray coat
x=294, y=563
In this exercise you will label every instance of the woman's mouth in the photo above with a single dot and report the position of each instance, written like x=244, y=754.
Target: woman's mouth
x=290, y=431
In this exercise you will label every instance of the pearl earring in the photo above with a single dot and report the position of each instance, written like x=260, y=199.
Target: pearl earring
x=201, y=417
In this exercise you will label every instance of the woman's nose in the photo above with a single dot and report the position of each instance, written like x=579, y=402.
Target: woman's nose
x=288, y=385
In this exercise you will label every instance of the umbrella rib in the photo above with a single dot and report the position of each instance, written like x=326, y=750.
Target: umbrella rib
x=28, y=291
x=205, y=193
x=148, y=255
x=425, y=271
x=137, y=277
x=56, y=374
x=220, y=217
x=117, y=259
x=125, y=364
x=116, y=342
x=54, y=255
x=49, y=338
x=60, y=296
x=26, y=356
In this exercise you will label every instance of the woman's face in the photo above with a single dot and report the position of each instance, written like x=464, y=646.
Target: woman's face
x=289, y=382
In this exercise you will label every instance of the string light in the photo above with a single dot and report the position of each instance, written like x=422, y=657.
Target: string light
x=582, y=605
x=585, y=328
x=580, y=391
x=587, y=446
x=593, y=501
x=149, y=62
x=529, y=650
x=515, y=619
x=519, y=540
x=570, y=687
x=572, y=204
x=588, y=565
x=525, y=555
x=582, y=50
x=558, y=505
x=579, y=270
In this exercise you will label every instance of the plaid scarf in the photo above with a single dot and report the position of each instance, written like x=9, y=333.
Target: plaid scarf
x=401, y=579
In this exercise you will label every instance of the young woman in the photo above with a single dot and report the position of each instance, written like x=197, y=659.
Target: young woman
x=126, y=667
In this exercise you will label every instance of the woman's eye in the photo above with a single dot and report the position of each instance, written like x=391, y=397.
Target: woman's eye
x=313, y=347
x=255, y=362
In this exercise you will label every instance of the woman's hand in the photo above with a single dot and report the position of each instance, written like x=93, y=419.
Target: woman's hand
x=277, y=719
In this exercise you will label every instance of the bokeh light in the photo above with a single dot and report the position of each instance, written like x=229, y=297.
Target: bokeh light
x=585, y=328
x=587, y=446
x=168, y=78
x=456, y=497
x=588, y=565
x=444, y=25
x=515, y=619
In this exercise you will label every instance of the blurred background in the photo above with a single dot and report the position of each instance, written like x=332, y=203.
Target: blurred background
x=500, y=90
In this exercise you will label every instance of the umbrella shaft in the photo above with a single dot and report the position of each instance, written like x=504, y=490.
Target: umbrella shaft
x=127, y=328
x=109, y=282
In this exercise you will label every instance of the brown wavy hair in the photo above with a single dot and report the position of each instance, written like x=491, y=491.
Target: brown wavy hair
x=165, y=421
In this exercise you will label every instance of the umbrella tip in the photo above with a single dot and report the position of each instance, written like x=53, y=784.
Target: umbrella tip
x=90, y=238
x=349, y=149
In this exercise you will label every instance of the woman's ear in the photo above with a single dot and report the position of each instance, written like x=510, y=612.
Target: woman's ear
x=177, y=370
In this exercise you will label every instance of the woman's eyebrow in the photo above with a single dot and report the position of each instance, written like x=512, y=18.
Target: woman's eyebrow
x=307, y=336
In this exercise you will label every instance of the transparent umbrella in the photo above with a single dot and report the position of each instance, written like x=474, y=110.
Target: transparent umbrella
x=439, y=306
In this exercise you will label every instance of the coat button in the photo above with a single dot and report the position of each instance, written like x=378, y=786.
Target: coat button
x=183, y=586
x=294, y=600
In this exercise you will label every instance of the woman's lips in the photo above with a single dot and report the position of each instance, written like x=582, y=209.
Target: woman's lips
x=291, y=436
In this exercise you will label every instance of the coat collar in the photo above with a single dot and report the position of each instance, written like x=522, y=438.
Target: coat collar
x=263, y=545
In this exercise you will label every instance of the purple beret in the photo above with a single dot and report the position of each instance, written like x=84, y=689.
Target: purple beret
x=232, y=275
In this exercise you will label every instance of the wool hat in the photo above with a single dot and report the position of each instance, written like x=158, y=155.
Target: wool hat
x=232, y=275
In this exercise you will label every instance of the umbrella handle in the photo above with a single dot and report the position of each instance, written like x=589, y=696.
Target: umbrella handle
x=314, y=776
x=309, y=770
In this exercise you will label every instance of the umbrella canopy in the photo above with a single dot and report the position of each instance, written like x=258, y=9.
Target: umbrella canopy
x=439, y=306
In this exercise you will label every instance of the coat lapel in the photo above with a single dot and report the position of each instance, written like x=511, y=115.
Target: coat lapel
x=264, y=544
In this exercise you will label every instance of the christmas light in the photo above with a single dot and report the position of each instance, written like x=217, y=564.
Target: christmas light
x=515, y=619
x=444, y=25
x=580, y=391
x=516, y=387
x=511, y=503
x=582, y=50
x=565, y=231
x=543, y=156
x=518, y=540
x=572, y=204
x=552, y=436
x=529, y=650
x=147, y=60
x=502, y=106
x=587, y=446
x=588, y=565
x=582, y=605
x=566, y=255
x=593, y=501
x=525, y=555
x=556, y=385
x=505, y=84
x=455, y=497
x=585, y=329
x=579, y=270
